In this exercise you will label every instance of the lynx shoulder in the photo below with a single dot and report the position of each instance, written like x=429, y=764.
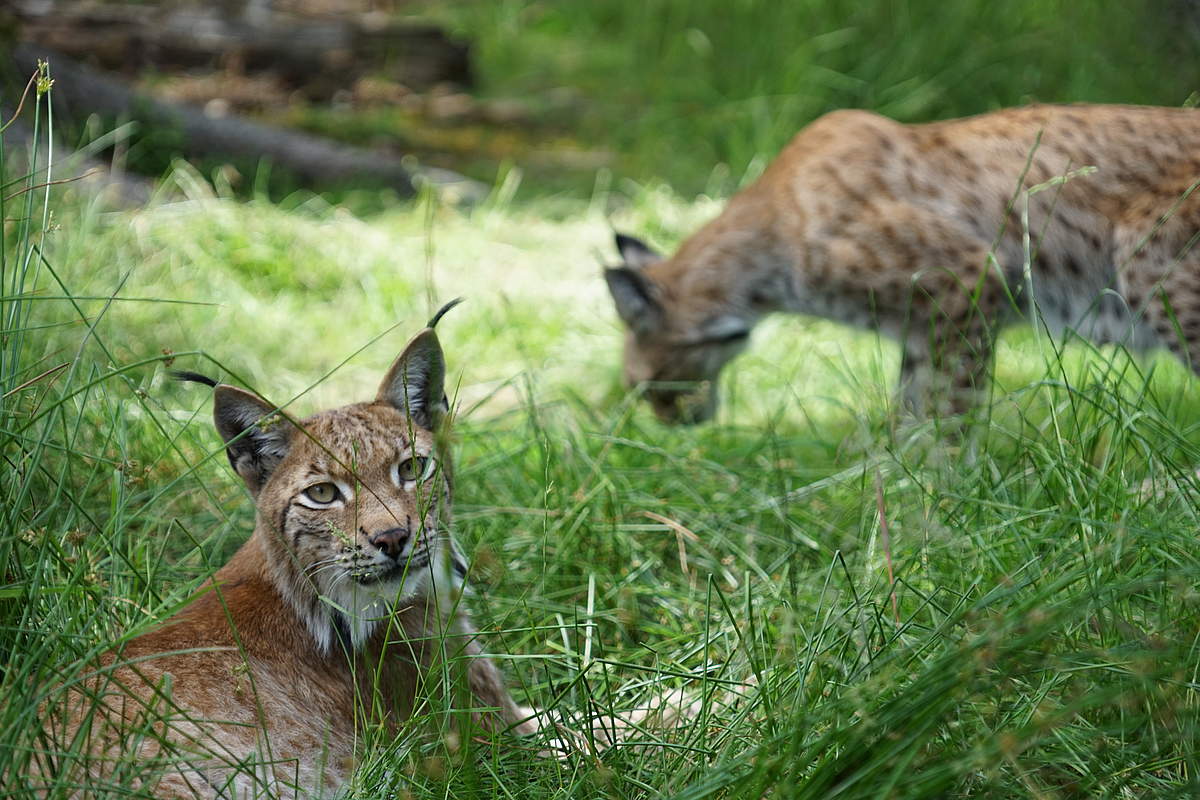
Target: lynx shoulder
x=340, y=611
x=924, y=232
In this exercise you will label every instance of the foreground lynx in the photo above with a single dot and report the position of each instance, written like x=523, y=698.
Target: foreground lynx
x=917, y=230
x=331, y=615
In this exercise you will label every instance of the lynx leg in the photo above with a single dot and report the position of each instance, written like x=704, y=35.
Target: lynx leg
x=1171, y=308
x=946, y=379
x=929, y=283
x=487, y=687
x=1176, y=324
x=916, y=377
x=663, y=712
x=1158, y=258
x=1171, y=301
x=947, y=351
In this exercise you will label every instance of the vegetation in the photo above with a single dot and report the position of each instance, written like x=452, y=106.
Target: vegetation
x=702, y=93
x=866, y=606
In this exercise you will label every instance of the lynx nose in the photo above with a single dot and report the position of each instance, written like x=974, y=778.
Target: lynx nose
x=391, y=541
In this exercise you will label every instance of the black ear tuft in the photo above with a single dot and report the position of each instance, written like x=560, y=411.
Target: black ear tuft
x=256, y=438
x=415, y=382
x=192, y=377
x=634, y=296
x=442, y=312
x=634, y=252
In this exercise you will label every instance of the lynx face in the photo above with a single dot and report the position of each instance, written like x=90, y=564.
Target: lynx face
x=355, y=501
x=675, y=356
x=360, y=508
x=680, y=376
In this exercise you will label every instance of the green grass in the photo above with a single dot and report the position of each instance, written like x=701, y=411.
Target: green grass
x=702, y=92
x=1037, y=638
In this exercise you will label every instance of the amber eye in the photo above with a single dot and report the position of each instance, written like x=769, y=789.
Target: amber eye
x=412, y=469
x=323, y=493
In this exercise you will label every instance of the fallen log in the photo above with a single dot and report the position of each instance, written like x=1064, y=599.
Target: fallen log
x=80, y=91
x=317, y=56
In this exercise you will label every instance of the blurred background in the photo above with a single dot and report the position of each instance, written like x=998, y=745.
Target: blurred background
x=697, y=93
x=279, y=194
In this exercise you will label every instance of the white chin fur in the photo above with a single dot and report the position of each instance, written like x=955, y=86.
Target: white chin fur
x=364, y=607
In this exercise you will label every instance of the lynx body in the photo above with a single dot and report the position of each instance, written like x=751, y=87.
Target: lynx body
x=920, y=231
x=328, y=620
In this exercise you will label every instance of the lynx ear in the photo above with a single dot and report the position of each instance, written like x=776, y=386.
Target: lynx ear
x=415, y=382
x=254, y=448
x=634, y=296
x=634, y=252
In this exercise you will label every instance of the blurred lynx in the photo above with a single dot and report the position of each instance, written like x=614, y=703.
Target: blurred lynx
x=918, y=231
x=332, y=615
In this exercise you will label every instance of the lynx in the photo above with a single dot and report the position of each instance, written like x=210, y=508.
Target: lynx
x=920, y=232
x=334, y=612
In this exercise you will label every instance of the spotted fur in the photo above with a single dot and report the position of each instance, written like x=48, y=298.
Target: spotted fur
x=335, y=614
x=918, y=231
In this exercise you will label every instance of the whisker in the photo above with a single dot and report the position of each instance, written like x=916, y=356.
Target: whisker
x=323, y=562
x=316, y=570
x=334, y=584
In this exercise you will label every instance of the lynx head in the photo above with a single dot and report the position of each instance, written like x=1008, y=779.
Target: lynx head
x=675, y=344
x=353, y=503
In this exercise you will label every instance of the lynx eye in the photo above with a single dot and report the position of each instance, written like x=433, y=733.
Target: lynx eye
x=413, y=469
x=725, y=337
x=322, y=493
x=724, y=330
x=733, y=336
